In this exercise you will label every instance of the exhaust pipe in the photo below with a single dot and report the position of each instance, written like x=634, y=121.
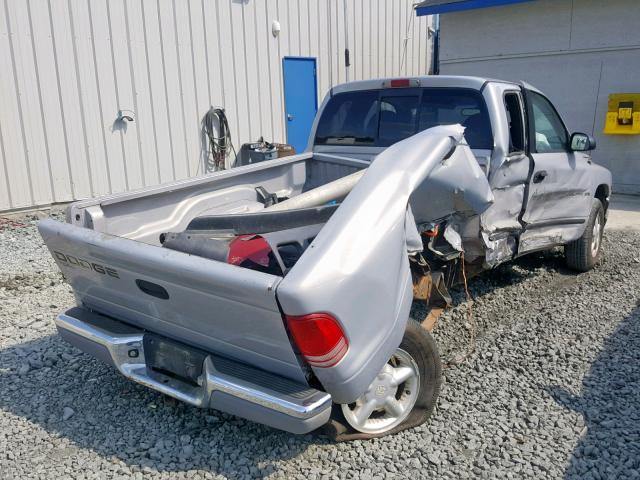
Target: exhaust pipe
x=321, y=195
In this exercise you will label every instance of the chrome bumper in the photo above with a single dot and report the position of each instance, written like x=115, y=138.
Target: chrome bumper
x=225, y=384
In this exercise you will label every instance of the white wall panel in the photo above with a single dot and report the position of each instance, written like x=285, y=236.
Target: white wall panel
x=107, y=88
x=190, y=106
x=95, y=153
x=144, y=122
x=71, y=108
x=125, y=91
x=164, y=123
x=69, y=66
x=14, y=144
x=29, y=98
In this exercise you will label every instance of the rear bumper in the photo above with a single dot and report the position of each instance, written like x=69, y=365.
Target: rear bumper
x=225, y=384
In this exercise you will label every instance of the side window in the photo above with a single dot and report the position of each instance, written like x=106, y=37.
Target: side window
x=551, y=135
x=516, y=122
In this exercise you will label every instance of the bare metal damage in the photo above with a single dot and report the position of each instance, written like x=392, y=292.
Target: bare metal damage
x=374, y=224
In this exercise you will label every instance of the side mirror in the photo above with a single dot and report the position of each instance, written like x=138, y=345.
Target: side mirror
x=581, y=142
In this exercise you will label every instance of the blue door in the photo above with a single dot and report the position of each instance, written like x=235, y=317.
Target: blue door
x=300, y=99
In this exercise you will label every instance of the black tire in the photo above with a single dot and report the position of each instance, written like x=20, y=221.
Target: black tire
x=580, y=254
x=421, y=346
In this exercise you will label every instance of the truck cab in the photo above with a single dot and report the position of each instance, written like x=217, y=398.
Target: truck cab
x=542, y=177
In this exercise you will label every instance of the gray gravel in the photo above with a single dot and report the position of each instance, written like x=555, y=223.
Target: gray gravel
x=549, y=389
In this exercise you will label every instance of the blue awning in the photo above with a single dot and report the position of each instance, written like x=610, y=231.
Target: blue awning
x=431, y=7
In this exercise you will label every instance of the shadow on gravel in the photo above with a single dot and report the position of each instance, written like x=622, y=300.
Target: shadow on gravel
x=512, y=273
x=609, y=447
x=42, y=379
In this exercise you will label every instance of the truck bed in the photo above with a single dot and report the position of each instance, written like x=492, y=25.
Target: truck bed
x=110, y=253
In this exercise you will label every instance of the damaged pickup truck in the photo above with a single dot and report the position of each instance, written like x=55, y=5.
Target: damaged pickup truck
x=280, y=291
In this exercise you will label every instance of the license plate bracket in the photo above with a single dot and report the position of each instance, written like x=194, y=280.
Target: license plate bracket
x=173, y=358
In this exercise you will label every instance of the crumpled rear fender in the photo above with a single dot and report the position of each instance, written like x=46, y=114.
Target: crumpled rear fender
x=357, y=267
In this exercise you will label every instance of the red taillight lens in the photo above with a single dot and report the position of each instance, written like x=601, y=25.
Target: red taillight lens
x=319, y=338
x=249, y=247
x=400, y=83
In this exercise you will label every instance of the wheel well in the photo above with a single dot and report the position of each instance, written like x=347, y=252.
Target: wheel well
x=602, y=194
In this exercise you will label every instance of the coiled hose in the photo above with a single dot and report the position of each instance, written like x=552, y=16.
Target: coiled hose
x=217, y=142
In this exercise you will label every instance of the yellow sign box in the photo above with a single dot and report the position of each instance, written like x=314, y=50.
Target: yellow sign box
x=623, y=114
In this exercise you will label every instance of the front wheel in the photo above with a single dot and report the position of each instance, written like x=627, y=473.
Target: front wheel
x=583, y=254
x=403, y=395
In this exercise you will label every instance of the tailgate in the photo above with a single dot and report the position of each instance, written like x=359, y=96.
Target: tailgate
x=218, y=307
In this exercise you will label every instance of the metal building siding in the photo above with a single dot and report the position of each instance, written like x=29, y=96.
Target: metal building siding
x=69, y=66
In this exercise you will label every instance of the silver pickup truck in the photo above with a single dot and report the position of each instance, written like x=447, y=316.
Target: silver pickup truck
x=280, y=292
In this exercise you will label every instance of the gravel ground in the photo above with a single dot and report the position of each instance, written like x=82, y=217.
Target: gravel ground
x=550, y=388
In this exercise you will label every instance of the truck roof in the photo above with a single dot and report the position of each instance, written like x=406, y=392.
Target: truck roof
x=458, y=81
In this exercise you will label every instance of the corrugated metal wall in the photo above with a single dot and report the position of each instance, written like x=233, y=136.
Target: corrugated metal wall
x=69, y=66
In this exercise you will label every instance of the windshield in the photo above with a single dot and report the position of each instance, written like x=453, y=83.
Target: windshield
x=383, y=117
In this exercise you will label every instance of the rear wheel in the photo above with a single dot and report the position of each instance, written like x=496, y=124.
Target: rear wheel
x=583, y=253
x=403, y=395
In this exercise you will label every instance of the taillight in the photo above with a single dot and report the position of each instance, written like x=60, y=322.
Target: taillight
x=249, y=247
x=400, y=83
x=319, y=338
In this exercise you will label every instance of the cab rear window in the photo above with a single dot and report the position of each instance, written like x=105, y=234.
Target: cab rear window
x=384, y=117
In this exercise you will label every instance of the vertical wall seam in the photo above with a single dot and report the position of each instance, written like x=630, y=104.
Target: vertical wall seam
x=272, y=112
x=427, y=48
x=19, y=104
x=196, y=97
x=180, y=86
x=378, y=49
x=5, y=169
x=356, y=42
x=345, y=11
x=166, y=93
x=99, y=95
x=361, y=19
x=283, y=125
x=394, y=36
x=206, y=50
x=246, y=66
x=423, y=41
x=386, y=40
x=134, y=90
x=233, y=63
x=404, y=48
x=413, y=45
x=330, y=38
x=61, y=102
x=420, y=47
x=220, y=75
x=571, y=25
x=117, y=91
x=40, y=103
x=319, y=41
x=595, y=108
x=309, y=29
x=299, y=30
x=370, y=45
x=255, y=37
x=288, y=28
x=81, y=102
x=153, y=116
